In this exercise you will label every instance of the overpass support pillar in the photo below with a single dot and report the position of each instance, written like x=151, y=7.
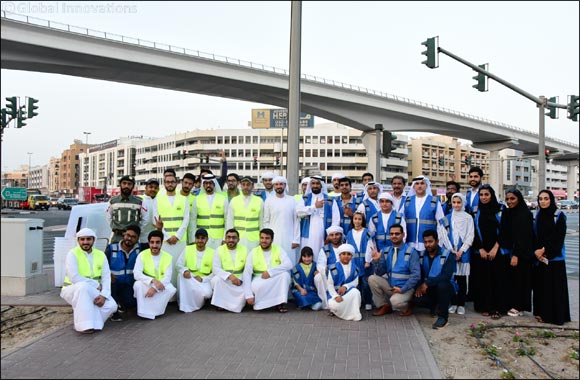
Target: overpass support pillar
x=571, y=180
x=496, y=172
x=496, y=163
x=372, y=146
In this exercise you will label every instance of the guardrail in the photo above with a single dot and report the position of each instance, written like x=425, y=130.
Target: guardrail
x=251, y=65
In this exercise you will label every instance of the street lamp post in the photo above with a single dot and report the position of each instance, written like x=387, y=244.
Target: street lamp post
x=87, y=139
x=29, y=162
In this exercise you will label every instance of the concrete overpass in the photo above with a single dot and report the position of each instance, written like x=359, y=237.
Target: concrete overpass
x=32, y=44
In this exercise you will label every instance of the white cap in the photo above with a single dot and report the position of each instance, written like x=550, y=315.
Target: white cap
x=268, y=175
x=338, y=175
x=86, y=232
x=305, y=180
x=345, y=248
x=387, y=196
x=279, y=179
x=332, y=229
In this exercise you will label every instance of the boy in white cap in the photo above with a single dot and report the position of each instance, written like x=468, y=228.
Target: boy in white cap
x=344, y=299
x=382, y=221
x=327, y=256
x=268, y=186
x=87, y=285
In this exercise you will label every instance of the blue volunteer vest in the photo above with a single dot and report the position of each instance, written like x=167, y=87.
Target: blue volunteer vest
x=305, y=221
x=382, y=237
x=426, y=219
x=339, y=279
x=557, y=214
x=438, y=261
x=401, y=271
x=346, y=221
x=122, y=268
x=359, y=252
x=307, y=282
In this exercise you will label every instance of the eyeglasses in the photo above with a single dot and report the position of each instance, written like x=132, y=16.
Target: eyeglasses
x=170, y=182
x=395, y=233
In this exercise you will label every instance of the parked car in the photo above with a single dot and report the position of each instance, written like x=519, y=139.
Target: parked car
x=67, y=203
x=53, y=202
x=568, y=205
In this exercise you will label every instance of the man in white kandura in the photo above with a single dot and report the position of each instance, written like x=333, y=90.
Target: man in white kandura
x=267, y=274
x=280, y=216
x=344, y=298
x=87, y=285
x=228, y=267
x=153, y=271
x=195, y=266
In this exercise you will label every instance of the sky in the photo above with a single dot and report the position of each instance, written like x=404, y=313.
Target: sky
x=377, y=45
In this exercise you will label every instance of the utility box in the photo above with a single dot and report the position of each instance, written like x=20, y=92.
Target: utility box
x=21, y=271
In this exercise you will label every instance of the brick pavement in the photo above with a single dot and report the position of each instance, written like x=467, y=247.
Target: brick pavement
x=212, y=344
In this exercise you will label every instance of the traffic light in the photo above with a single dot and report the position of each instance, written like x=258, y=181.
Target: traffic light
x=573, y=107
x=277, y=160
x=12, y=107
x=467, y=160
x=432, y=52
x=179, y=155
x=207, y=158
x=552, y=110
x=32, y=107
x=441, y=161
x=547, y=153
x=255, y=162
x=4, y=118
x=481, y=79
x=388, y=146
x=21, y=118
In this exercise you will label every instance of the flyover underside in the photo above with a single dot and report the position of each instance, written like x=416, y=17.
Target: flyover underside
x=334, y=104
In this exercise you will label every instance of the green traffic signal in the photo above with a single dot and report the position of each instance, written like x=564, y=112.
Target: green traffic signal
x=441, y=161
x=12, y=107
x=552, y=110
x=21, y=118
x=4, y=118
x=481, y=79
x=32, y=107
x=573, y=107
x=432, y=52
x=388, y=145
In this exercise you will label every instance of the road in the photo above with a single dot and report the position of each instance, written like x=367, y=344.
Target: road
x=56, y=221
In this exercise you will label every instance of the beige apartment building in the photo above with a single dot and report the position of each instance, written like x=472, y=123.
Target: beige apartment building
x=69, y=168
x=443, y=158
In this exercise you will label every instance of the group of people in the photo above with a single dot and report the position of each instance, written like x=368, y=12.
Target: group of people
x=334, y=250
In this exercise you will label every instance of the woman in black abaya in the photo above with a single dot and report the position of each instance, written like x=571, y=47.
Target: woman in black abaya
x=517, y=235
x=551, y=303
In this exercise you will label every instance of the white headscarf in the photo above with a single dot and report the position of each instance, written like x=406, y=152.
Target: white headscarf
x=332, y=229
x=280, y=179
x=387, y=196
x=267, y=175
x=318, y=178
x=417, y=179
x=86, y=232
x=210, y=178
x=371, y=183
x=345, y=248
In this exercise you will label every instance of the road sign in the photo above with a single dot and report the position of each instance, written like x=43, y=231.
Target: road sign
x=14, y=193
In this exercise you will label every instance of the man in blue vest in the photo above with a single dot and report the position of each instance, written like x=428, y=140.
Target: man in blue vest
x=370, y=203
x=327, y=256
x=121, y=257
x=472, y=195
x=399, y=196
x=451, y=187
x=344, y=204
x=436, y=289
x=396, y=274
x=422, y=211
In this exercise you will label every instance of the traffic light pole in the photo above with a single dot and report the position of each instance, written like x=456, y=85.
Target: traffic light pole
x=541, y=102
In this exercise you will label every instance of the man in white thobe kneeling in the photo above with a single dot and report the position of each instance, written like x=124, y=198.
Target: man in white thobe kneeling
x=87, y=285
x=228, y=267
x=153, y=270
x=344, y=298
x=195, y=273
x=267, y=274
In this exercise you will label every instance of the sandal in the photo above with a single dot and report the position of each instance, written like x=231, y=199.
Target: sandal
x=282, y=308
x=496, y=315
x=539, y=319
x=485, y=314
x=514, y=313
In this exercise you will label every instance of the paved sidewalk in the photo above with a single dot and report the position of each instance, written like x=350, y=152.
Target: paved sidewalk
x=212, y=344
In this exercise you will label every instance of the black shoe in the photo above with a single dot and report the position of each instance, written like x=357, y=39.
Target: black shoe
x=117, y=317
x=441, y=323
x=121, y=309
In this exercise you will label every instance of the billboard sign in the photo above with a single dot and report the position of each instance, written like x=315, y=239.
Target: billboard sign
x=278, y=118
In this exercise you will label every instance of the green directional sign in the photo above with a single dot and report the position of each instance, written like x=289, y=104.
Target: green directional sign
x=14, y=193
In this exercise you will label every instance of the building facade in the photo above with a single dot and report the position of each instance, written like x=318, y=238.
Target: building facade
x=69, y=168
x=443, y=158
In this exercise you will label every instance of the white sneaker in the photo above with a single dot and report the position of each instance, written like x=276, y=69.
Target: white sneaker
x=460, y=310
x=317, y=306
x=452, y=309
x=368, y=306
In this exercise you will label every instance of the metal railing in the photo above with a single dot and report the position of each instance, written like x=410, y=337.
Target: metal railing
x=251, y=65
